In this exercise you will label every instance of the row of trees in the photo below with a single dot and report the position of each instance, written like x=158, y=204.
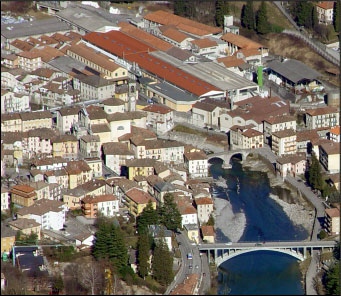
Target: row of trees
x=255, y=21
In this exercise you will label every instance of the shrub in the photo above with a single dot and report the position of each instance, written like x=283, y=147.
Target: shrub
x=276, y=28
x=322, y=234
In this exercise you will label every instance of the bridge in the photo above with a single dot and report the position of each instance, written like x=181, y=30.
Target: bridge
x=227, y=155
x=298, y=249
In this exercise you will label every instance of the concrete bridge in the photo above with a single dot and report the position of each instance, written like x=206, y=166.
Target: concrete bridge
x=225, y=251
x=227, y=155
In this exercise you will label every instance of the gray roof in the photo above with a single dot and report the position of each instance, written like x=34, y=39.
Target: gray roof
x=172, y=92
x=164, y=187
x=179, y=53
x=91, y=18
x=293, y=70
x=66, y=64
x=39, y=27
x=94, y=80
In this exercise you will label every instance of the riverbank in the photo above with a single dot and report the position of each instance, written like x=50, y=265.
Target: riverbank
x=231, y=224
x=297, y=209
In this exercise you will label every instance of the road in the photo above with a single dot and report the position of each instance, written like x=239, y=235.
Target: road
x=311, y=273
x=317, y=203
x=188, y=266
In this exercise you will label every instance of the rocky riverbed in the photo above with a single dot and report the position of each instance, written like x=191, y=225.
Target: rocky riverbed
x=231, y=224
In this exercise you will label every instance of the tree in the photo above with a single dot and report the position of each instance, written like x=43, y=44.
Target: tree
x=91, y=276
x=303, y=11
x=210, y=221
x=336, y=16
x=263, y=26
x=333, y=280
x=143, y=254
x=58, y=284
x=162, y=263
x=222, y=9
x=248, y=16
x=314, y=18
x=149, y=216
x=169, y=213
x=179, y=7
x=109, y=244
x=322, y=234
x=315, y=176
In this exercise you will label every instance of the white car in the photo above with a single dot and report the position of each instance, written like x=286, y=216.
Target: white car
x=228, y=244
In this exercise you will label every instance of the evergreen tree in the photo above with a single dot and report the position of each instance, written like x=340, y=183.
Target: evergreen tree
x=169, y=213
x=304, y=13
x=336, y=16
x=248, y=16
x=222, y=9
x=143, y=254
x=315, y=21
x=210, y=221
x=109, y=244
x=162, y=263
x=263, y=26
x=179, y=7
x=149, y=216
x=333, y=280
x=315, y=176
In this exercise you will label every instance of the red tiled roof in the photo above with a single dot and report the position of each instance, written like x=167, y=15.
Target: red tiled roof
x=133, y=50
x=321, y=111
x=326, y=5
x=231, y=61
x=157, y=109
x=139, y=196
x=204, y=201
x=207, y=230
x=145, y=37
x=252, y=133
x=204, y=43
x=175, y=35
x=240, y=41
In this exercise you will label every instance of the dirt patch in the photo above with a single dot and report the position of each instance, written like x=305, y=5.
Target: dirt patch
x=217, y=139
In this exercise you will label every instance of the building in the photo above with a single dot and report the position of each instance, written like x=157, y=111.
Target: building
x=11, y=122
x=14, y=102
x=7, y=238
x=322, y=117
x=66, y=118
x=332, y=221
x=5, y=200
x=292, y=164
x=245, y=138
x=284, y=142
x=50, y=214
x=192, y=231
x=293, y=74
x=140, y=167
x=329, y=156
x=208, y=233
x=304, y=140
x=26, y=226
x=136, y=200
x=106, y=205
x=65, y=146
x=325, y=12
x=159, y=118
x=197, y=164
x=334, y=134
x=161, y=232
x=204, y=208
x=278, y=123
x=94, y=87
x=113, y=105
x=23, y=195
x=177, y=38
x=29, y=61
x=34, y=120
x=116, y=155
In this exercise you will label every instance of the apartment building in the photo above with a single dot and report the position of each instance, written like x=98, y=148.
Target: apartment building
x=5, y=199
x=245, y=137
x=65, y=146
x=11, y=123
x=116, y=155
x=66, y=118
x=204, y=208
x=325, y=12
x=334, y=134
x=90, y=146
x=23, y=195
x=322, y=117
x=292, y=164
x=159, y=118
x=107, y=205
x=136, y=200
x=197, y=164
x=329, y=155
x=284, y=142
x=14, y=102
x=29, y=61
x=332, y=221
x=278, y=123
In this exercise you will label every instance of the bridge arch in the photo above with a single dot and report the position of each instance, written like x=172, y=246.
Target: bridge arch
x=222, y=158
x=221, y=259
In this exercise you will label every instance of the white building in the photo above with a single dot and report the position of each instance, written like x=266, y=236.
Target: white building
x=197, y=164
x=325, y=12
x=204, y=208
x=49, y=213
x=159, y=118
x=4, y=199
x=322, y=117
x=284, y=142
x=334, y=134
x=14, y=102
x=66, y=117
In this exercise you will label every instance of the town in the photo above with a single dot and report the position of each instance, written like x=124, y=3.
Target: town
x=113, y=113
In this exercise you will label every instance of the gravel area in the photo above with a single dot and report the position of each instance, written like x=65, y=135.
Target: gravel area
x=231, y=224
x=296, y=213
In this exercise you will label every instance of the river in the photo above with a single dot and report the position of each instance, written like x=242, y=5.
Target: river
x=257, y=273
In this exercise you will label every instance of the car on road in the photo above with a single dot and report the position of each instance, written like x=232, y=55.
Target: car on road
x=228, y=244
x=190, y=267
x=196, y=266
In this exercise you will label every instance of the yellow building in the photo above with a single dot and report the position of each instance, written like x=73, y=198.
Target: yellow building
x=332, y=221
x=140, y=167
x=7, y=238
x=34, y=120
x=79, y=173
x=11, y=122
x=26, y=226
x=96, y=165
x=23, y=195
x=65, y=146
x=136, y=200
x=192, y=231
x=208, y=233
x=103, y=131
x=329, y=155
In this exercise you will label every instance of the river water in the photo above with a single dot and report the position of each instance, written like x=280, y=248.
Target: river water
x=257, y=273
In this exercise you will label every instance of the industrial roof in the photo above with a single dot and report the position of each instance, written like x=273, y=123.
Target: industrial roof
x=294, y=70
x=132, y=50
x=48, y=25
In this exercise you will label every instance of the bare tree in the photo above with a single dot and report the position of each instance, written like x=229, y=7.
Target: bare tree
x=91, y=275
